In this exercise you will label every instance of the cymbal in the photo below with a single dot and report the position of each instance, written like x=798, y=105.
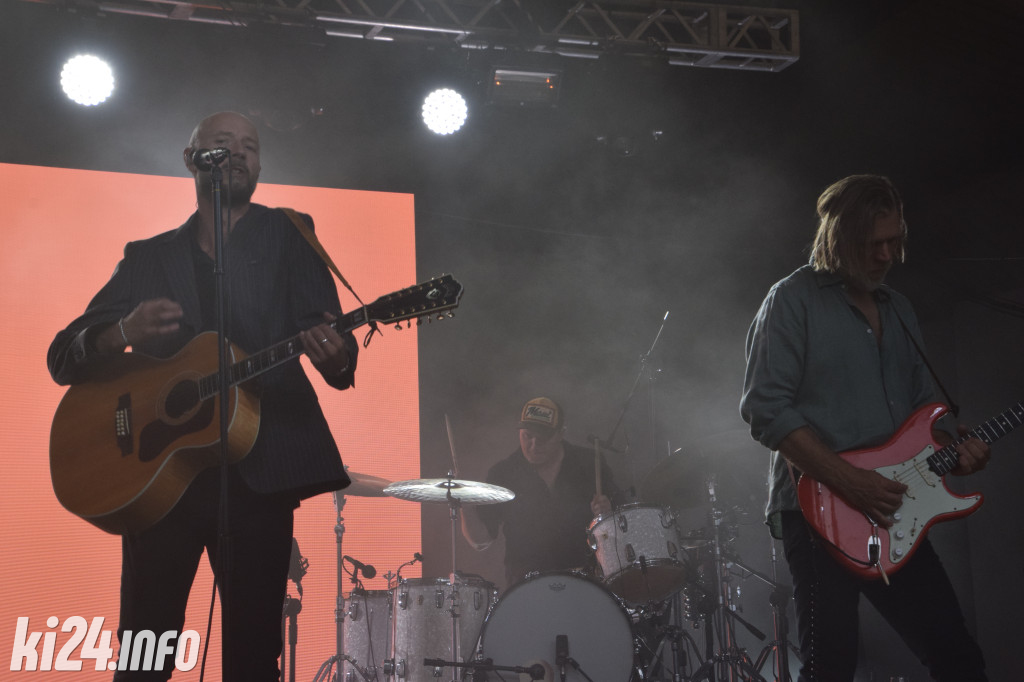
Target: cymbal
x=365, y=485
x=731, y=461
x=436, y=490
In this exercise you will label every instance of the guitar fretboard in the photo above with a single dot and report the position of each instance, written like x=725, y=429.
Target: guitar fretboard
x=434, y=296
x=271, y=357
x=945, y=460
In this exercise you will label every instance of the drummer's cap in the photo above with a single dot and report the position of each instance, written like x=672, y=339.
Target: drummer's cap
x=541, y=414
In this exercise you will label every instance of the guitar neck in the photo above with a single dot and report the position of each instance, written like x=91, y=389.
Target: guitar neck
x=946, y=459
x=253, y=365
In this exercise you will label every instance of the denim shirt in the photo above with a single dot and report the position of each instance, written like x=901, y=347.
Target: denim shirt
x=813, y=360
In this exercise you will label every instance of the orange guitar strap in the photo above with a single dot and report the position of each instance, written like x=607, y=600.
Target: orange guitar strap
x=303, y=228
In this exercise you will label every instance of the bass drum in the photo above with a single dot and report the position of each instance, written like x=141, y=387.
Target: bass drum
x=522, y=627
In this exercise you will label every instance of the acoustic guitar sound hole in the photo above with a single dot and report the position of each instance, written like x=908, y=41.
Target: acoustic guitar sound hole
x=181, y=399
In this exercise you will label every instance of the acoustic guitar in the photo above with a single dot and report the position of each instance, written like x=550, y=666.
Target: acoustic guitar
x=125, y=446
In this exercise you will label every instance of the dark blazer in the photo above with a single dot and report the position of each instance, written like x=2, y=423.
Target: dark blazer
x=277, y=286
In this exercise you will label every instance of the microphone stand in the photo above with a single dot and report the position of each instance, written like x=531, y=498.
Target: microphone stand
x=644, y=369
x=224, y=549
x=779, y=599
x=290, y=626
x=572, y=661
x=536, y=672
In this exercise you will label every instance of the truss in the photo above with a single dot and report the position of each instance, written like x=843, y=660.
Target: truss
x=683, y=33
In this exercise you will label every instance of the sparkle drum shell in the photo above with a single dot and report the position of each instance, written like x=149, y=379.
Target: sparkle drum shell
x=421, y=618
x=640, y=553
x=367, y=635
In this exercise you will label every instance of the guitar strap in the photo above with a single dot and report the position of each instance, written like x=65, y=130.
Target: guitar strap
x=953, y=407
x=795, y=473
x=303, y=228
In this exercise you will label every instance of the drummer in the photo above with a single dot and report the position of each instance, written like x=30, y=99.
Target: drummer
x=557, y=496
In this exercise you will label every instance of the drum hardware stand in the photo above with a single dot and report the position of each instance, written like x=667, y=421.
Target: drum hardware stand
x=453, y=512
x=454, y=505
x=675, y=634
x=339, y=608
x=731, y=662
x=779, y=599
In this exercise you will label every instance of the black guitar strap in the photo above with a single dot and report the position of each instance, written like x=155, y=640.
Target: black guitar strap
x=953, y=407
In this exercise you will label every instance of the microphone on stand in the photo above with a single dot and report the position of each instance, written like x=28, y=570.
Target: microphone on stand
x=205, y=159
x=369, y=572
x=297, y=566
x=561, y=654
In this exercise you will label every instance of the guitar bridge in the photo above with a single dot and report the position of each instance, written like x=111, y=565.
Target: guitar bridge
x=123, y=424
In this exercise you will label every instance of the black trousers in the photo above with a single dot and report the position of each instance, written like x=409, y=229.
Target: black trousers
x=919, y=604
x=159, y=565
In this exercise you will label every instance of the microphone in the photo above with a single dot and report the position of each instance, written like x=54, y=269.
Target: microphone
x=205, y=159
x=416, y=556
x=368, y=571
x=297, y=566
x=561, y=654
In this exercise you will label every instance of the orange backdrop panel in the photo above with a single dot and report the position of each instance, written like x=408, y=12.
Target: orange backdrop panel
x=63, y=232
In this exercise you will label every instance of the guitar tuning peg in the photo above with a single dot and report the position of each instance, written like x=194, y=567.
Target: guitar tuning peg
x=419, y=321
x=451, y=314
x=398, y=326
x=440, y=316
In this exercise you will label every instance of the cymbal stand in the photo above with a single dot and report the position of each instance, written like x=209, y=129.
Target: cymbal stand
x=453, y=512
x=729, y=663
x=339, y=608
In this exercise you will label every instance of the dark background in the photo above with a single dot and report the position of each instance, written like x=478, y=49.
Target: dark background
x=572, y=251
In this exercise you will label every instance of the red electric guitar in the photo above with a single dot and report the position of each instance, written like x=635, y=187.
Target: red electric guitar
x=911, y=457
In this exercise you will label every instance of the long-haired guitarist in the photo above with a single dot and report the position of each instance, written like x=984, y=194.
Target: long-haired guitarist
x=832, y=367
x=158, y=301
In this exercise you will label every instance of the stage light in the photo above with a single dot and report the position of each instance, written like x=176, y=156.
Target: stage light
x=87, y=80
x=525, y=87
x=444, y=111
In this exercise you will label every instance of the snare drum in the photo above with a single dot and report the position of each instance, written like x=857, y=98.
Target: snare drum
x=367, y=635
x=421, y=618
x=639, y=551
x=522, y=627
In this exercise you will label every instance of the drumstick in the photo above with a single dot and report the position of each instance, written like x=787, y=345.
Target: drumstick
x=597, y=467
x=451, y=445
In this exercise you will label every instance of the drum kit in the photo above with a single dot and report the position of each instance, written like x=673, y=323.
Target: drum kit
x=623, y=622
